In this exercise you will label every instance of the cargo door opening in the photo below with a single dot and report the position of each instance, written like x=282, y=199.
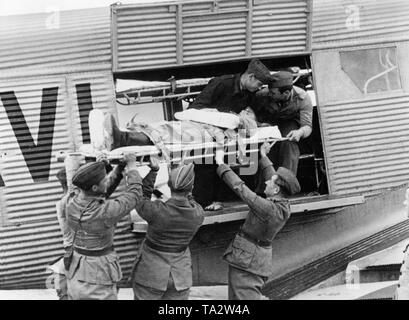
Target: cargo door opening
x=159, y=99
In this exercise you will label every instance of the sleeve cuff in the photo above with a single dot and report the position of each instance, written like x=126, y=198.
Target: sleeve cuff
x=222, y=169
x=264, y=162
x=134, y=177
x=121, y=165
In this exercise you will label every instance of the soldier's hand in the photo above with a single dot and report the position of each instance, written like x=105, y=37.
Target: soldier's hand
x=219, y=156
x=129, y=158
x=154, y=163
x=266, y=147
x=295, y=135
x=103, y=157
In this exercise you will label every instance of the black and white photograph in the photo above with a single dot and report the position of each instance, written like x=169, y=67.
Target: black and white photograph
x=221, y=151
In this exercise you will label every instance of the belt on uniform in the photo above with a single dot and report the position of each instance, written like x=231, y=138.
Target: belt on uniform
x=158, y=247
x=94, y=253
x=250, y=238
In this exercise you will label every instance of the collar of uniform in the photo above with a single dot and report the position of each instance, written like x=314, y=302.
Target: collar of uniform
x=277, y=199
x=236, y=84
x=83, y=197
x=299, y=93
x=180, y=202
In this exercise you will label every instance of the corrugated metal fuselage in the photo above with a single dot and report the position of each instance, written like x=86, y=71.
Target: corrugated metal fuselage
x=53, y=74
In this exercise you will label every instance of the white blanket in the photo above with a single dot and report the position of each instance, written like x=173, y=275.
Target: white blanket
x=210, y=116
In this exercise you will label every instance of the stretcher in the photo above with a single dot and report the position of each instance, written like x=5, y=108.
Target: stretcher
x=238, y=150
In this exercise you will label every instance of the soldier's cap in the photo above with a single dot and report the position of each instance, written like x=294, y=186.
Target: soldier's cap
x=288, y=181
x=259, y=70
x=89, y=174
x=281, y=79
x=62, y=175
x=181, y=178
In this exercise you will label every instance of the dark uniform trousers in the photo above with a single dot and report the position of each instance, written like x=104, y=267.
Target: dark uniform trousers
x=286, y=153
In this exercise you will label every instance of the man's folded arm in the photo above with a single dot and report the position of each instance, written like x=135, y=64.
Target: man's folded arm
x=211, y=93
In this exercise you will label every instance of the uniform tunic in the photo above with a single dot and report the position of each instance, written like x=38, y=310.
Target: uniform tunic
x=250, y=254
x=171, y=227
x=298, y=108
x=95, y=277
x=224, y=94
x=60, y=280
x=289, y=115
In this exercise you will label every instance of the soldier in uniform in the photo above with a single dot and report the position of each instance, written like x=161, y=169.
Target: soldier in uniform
x=290, y=108
x=250, y=254
x=94, y=270
x=227, y=93
x=60, y=280
x=162, y=269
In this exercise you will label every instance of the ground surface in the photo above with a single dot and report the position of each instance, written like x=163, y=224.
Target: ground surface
x=197, y=293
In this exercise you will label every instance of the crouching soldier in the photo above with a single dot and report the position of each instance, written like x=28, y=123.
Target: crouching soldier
x=250, y=254
x=162, y=269
x=94, y=270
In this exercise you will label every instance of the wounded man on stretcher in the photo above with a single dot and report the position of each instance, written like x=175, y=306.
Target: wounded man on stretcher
x=193, y=127
x=199, y=130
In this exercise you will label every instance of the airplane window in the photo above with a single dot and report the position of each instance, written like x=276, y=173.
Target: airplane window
x=372, y=70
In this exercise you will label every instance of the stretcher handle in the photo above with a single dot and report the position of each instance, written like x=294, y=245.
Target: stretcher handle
x=60, y=156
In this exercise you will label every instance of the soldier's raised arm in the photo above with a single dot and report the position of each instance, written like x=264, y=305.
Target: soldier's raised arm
x=119, y=207
x=262, y=207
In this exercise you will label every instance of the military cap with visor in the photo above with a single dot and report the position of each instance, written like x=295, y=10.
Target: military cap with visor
x=288, y=181
x=281, y=79
x=89, y=174
x=259, y=70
